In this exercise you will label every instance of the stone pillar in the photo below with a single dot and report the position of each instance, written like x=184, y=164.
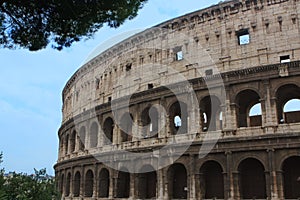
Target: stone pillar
x=229, y=184
x=71, y=183
x=270, y=107
x=111, y=185
x=229, y=114
x=236, y=185
x=95, y=185
x=197, y=185
x=166, y=184
x=133, y=183
x=162, y=130
x=160, y=184
x=202, y=186
x=279, y=176
x=192, y=179
x=82, y=179
x=274, y=190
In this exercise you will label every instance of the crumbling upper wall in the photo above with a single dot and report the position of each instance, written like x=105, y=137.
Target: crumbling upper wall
x=208, y=39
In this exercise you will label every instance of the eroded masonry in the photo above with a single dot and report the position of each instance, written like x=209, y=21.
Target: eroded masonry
x=240, y=60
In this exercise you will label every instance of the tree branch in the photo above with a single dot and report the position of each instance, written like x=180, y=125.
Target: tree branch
x=10, y=15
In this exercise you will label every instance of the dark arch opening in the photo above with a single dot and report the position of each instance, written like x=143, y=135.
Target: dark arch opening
x=76, y=186
x=283, y=95
x=245, y=100
x=89, y=183
x=66, y=144
x=177, y=181
x=62, y=184
x=123, y=184
x=126, y=127
x=178, y=110
x=149, y=121
x=82, y=137
x=252, y=179
x=103, y=188
x=72, y=141
x=147, y=183
x=68, y=185
x=291, y=177
x=108, y=128
x=210, y=108
x=94, y=135
x=212, y=180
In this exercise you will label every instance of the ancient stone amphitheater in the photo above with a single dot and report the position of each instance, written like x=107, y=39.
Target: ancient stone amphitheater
x=193, y=108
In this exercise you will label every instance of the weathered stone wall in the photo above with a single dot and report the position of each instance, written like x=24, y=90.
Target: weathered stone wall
x=221, y=71
x=208, y=39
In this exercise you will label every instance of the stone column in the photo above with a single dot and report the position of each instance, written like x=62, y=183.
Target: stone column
x=95, y=185
x=270, y=107
x=133, y=183
x=192, y=179
x=229, y=114
x=236, y=185
x=273, y=176
x=279, y=176
x=82, y=179
x=229, y=184
x=111, y=185
x=71, y=183
x=160, y=184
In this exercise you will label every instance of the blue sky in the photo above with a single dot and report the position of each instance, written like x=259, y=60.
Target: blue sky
x=31, y=85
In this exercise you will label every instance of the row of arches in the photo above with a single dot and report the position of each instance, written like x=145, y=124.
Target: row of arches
x=251, y=181
x=249, y=107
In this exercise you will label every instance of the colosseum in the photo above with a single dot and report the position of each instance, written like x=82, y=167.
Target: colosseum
x=193, y=108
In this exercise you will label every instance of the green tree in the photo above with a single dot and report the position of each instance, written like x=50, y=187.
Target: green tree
x=33, y=24
x=19, y=186
x=2, y=181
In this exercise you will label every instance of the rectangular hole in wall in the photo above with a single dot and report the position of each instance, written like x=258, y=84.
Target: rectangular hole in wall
x=208, y=72
x=285, y=59
x=150, y=86
x=109, y=99
x=243, y=36
x=128, y=66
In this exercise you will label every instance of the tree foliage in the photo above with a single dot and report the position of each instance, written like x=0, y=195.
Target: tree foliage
x=33, y=24
x=19, y=186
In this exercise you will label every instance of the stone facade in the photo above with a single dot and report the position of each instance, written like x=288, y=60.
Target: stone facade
x=232, y=56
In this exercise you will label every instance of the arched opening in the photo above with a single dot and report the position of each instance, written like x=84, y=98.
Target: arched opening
x=103, y=188
x=245, y=100
x=177, y=181
x=288, y=106
x=76, y=186
x=147, y=183
x=94, y=135
x=72, y=141
x=89, y=184
x=255, y=115
x=108, y=128
x=123, y=184
x=126, y=127
x=212, y=180
x=210, y=108
x=291, y=177
x=82, y=136
x=252, y=179
x=68, y=184
x=292, y=111
x=149, y=121
x=66, y=144
x=178, y=118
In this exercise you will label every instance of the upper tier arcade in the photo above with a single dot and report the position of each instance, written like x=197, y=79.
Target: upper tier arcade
x=229, y=36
